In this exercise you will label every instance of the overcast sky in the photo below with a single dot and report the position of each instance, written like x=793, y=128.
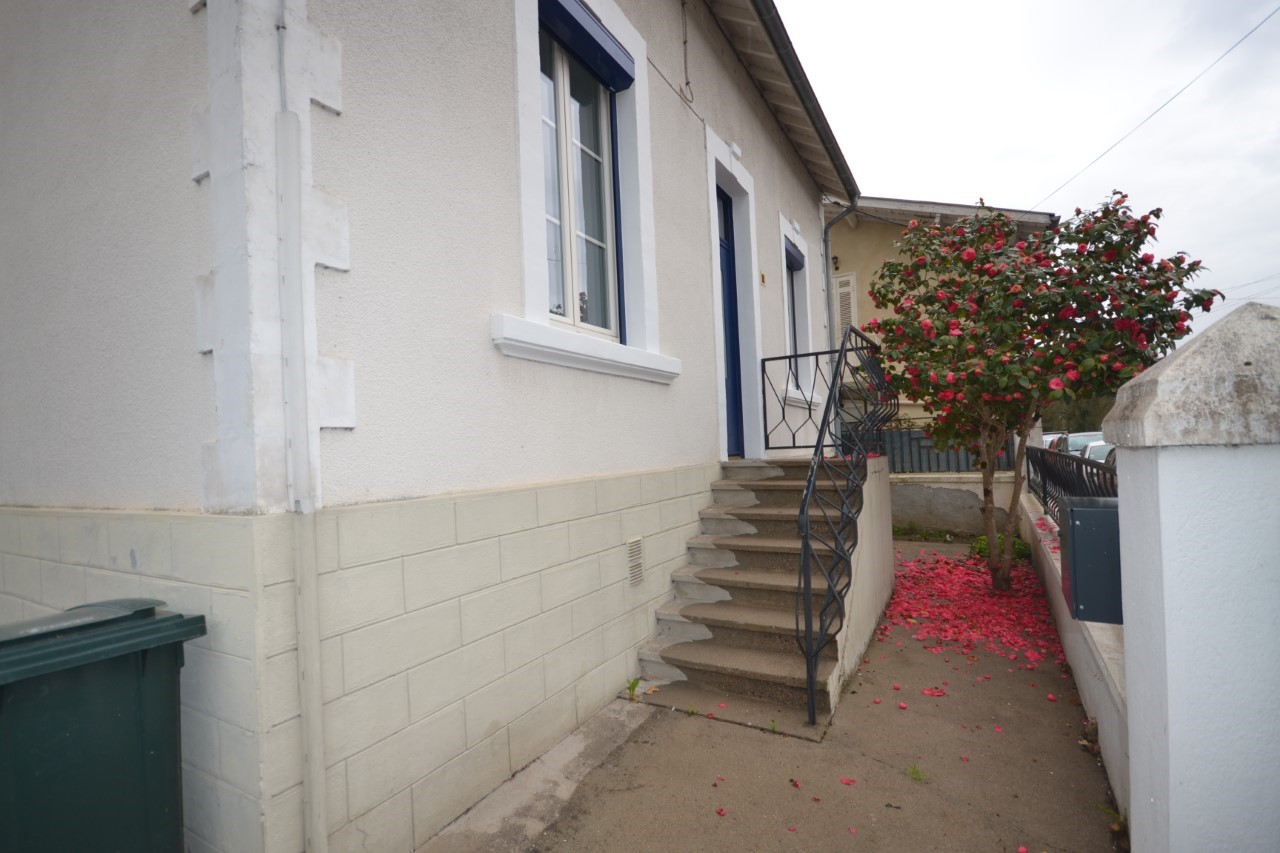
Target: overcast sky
x=1006, y=99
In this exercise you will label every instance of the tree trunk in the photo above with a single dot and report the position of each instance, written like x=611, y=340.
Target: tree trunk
x=1019, y=476
x=988, y=448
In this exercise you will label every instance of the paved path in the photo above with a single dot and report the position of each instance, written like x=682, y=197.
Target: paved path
x=992, y=765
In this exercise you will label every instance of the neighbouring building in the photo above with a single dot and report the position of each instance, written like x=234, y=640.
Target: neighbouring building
x=403, y=342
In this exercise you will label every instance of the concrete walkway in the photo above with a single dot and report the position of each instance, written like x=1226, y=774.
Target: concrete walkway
x=992, y=765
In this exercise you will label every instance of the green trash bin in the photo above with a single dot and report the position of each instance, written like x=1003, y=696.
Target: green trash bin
x=90, y=744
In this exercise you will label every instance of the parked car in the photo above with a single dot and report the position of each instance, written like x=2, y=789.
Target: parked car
x=1074, y=442
x=1097, y=450
x=1111, y=458
x=1051, y=437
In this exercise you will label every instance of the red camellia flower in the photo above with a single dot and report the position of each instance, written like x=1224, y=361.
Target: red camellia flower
x=1082, y=248
x=922, y=260
x=1148, y=258
x=968, y=255
x=1073, y=375
x=1056, y=384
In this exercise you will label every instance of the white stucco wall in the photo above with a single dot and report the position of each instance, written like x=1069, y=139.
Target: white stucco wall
x=104, y=399
x=425, y=154
x=1199, y=549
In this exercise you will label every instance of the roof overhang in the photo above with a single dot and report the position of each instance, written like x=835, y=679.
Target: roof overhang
x=900, y=211
x=755, y=32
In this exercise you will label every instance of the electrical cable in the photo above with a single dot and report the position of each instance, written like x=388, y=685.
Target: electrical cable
x=1159, y=108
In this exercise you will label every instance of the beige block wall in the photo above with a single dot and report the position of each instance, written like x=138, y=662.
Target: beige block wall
x=463, y=635
x=220, y=567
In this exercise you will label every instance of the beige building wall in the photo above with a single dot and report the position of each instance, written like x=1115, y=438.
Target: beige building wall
x=104, y=399
x=474, y=603
x=425, y=156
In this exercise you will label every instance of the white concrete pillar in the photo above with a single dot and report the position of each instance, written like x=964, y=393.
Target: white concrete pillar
x=1199, y=468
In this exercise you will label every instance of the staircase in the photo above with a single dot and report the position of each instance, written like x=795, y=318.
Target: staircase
x=731, y=627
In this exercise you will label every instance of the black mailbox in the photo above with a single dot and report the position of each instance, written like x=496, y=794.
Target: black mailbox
x=1090, y=532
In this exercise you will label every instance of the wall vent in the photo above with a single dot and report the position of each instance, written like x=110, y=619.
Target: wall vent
x=635, y=561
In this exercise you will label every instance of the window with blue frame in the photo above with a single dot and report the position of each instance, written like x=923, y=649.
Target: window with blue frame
x=795, y=263
x=582, y=68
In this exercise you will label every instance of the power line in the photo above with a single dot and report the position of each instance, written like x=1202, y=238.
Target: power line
x=1255, y=282
x=1157, y=109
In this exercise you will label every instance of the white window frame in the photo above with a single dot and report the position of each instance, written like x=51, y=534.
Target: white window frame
x=565, y=146
x=532, y=334
x=796, y=393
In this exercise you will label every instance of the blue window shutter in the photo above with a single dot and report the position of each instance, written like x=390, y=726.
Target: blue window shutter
x=795, y=259
x=585, y=37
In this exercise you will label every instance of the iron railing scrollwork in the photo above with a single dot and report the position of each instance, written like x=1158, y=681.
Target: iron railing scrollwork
x=856, y=403
x=1052, y=476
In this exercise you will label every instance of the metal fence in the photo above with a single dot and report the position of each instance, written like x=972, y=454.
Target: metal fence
x=911, y=451
x=1052, y=476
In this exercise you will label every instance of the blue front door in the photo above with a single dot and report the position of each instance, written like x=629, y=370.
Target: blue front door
x=732, y=350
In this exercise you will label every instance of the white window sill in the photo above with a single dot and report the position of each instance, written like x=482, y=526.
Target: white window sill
x=797, y=398
x=521, y=338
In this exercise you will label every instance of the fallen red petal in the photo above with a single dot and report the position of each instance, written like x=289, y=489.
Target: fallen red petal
x=853, y=831
x=721, y=812
x=964, y=758
x=876, y=701
x=844, y=781
x=902, y=706
x=1052, y=698
x=791, y=829
x=997, y=728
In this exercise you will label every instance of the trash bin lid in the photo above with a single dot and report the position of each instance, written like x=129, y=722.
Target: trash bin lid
x=90, y=633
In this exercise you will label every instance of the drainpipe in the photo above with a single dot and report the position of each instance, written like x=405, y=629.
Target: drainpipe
x=297, y=434
x=826, y=274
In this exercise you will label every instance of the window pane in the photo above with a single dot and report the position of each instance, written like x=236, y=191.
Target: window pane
x=546, y=53
x=555, y=268
x=587, y=98
x=589, y=180
x=594, y=299
x=551, y=172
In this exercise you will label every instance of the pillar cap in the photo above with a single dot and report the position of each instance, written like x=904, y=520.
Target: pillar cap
x=1223, y=388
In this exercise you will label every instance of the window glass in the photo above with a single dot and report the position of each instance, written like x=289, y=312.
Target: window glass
x=594, y=307
x=579, y=206
x=551, y=179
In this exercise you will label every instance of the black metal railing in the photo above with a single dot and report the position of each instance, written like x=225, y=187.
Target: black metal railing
x=911, y=451
x=856, y=402
x=1052, y=476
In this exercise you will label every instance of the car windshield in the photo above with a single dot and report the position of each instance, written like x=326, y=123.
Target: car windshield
x=1077, y=440
x=1098, y=452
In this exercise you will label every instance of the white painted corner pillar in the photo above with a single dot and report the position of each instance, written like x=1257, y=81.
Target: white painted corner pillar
x=1199, y=467
x=271, y=229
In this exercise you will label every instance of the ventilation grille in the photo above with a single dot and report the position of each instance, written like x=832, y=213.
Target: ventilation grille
x=635, y=561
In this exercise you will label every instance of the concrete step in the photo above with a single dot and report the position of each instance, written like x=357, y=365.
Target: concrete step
x=755, y=587
x=783, y=718
x=744, y=521
x=763, y=674
x=730, y=623
x=773, y=493
x=768, y=553
x=765, y=469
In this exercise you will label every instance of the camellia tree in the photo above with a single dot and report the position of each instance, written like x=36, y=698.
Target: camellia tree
x=987, y=329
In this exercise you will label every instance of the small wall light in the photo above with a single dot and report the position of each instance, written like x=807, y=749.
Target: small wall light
x=835, y=263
